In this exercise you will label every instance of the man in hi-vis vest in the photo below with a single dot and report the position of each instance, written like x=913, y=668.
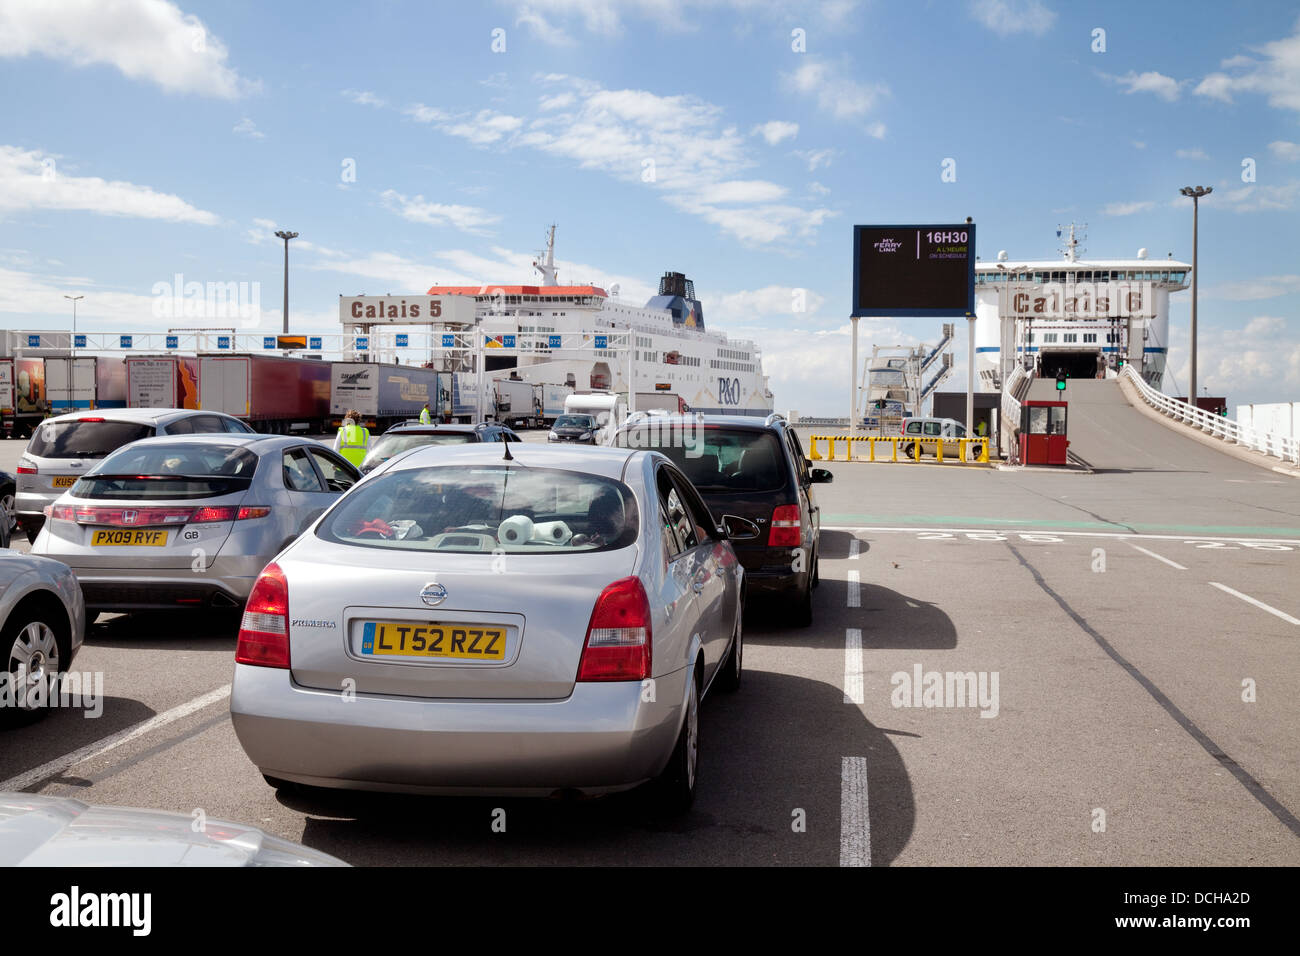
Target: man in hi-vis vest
x=425, y=417
x=353, y=439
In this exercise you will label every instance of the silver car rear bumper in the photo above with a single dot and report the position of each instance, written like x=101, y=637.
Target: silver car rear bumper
x=604, y=737
x=226, y=582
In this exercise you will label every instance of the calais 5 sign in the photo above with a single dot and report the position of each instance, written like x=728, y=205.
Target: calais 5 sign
x=406, y=309
x=914, y=270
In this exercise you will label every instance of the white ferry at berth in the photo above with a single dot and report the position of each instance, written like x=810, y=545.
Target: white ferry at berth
x=1087, y=317
x=679, y=364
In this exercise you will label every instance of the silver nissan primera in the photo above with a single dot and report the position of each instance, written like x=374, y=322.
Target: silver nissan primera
x=494, y=619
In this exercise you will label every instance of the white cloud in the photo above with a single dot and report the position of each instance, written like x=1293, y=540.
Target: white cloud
x=1275, y=75
x=776, y=130
x=1264, y=287
x=555, y=21
x=32, y=180
x=836, y=92
x=746, y=191
x=1165, y=87
x=1256, y=198
x=1127, y=208
x=1285, y=151
x=482, y=129
x=818, y=189
x=734, y=308
x=1194, y=153
x=1008, y=17
x=556, y=102
x=816, y=158
x=365, y=98
x=1265, y=325
x=542, y=28
x=1138, y=144
x=148, y=40
x=417, y=209
x=246, y=127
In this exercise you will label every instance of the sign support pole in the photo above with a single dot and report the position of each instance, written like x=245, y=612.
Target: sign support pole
x=853, y=382
x=970, y=374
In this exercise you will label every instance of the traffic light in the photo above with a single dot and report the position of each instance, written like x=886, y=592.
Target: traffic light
x=1120, y=364
x=1060, y=381
x=880, y=404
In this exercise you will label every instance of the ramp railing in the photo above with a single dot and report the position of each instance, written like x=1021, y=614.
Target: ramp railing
x=1017, y=384
x=1279, y=446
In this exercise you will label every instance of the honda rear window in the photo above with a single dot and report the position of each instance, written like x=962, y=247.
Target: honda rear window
x=84, y=439
x=169, y=472
x=488, y=508
x=716, y=460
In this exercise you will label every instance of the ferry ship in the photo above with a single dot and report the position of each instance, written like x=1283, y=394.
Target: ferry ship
x=1086, y=317
x=679, y=364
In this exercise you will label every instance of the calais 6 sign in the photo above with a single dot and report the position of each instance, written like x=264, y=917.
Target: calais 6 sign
x=914, y=270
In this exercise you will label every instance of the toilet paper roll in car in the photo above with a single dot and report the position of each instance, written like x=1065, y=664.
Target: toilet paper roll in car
x=515, y=530
x=554, y=532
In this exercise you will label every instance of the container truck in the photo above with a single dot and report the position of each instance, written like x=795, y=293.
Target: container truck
x=516, y=403
x=609, y=410
x=162, y=381
x=84, y=382
x=273, y=394
x=386, y=394
x=30, y=403
x=553, y=397
x=669, y=402
x=7, y=397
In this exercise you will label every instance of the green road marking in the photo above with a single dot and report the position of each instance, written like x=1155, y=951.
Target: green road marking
x=958, y=521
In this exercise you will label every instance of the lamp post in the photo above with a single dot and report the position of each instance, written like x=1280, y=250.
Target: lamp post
x=1195, y=192
x=284, y=314
x=72, y=342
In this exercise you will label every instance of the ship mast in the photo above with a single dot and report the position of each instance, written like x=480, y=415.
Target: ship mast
x=546, y=265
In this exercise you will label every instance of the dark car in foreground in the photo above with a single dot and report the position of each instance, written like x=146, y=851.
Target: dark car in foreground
x=412, y=434
x=753, y=469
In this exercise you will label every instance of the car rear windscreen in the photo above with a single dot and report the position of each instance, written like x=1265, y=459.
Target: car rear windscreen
x=716, y=459
x=485, y=509
x=386, y=446
x=84, y=439
x=169, y=472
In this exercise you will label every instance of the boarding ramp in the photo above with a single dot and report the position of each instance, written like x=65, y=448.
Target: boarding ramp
x=1109, y=434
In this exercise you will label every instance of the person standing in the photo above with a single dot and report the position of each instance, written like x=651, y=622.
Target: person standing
x=353, y=439
x=426, y=417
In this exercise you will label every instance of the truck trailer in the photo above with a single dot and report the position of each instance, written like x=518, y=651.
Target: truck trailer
x=386, y=394
x=162, y=381
x=273, y=394
x=84, y=382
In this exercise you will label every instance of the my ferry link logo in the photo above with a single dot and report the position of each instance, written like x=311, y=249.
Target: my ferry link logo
x=887, y=245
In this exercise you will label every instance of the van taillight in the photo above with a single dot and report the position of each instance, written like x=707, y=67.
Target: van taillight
x=786, y=527
x=618, y=636
x=264, y=630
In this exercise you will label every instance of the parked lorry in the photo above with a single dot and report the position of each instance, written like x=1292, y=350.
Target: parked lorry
x=84, y=382
x=609, y=410
x=385, y=394
x=7, y=397
x=669, y=402
x=31, y=406
x=553, y=398
x=517, y=403
x=162, y=381
x=273, y=394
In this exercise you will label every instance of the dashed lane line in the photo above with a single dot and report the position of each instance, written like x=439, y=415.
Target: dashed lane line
x=1259, y=604
x=853, y=666
x=855, y=589
x=59, y=764
x=1042, y=532
x=1152, y=554
x=855, y=821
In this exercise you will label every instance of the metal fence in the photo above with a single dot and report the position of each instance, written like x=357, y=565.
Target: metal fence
x=1279, y=446
x=960, y=450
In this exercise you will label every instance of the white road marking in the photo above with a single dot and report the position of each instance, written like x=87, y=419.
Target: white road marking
x=855, y=589
x=68, y=760
x=1152, y=554
x=855, y=821
x=1073, y=534
x=853, y=666
x=1259, y=604
x=854, y=547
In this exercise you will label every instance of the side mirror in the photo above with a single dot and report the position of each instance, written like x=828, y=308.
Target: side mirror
x=821, y=476
x=739, y=529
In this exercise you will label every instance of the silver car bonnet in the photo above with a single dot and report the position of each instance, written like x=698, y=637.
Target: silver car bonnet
x=37, y=830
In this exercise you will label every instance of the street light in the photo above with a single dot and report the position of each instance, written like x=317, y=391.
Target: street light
x=1195, y=193
x=72, y=342
x=284, y=312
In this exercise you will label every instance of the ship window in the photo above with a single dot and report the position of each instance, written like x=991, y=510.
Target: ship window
x=1090, y=336
x=1070, y=337
x=1049, y=336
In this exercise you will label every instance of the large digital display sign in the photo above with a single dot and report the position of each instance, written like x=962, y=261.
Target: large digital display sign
x=914, y=270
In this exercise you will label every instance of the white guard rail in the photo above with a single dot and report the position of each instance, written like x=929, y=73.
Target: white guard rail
x=1287, y=449
x=1010, y=416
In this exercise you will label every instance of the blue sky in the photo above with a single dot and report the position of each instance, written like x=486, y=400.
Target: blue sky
x=734, y=140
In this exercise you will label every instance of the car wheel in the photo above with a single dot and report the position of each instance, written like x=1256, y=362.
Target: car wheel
x=676, y=785
x=32, y=652
x=909, y=451
x=7, y=504
x=729, y=676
